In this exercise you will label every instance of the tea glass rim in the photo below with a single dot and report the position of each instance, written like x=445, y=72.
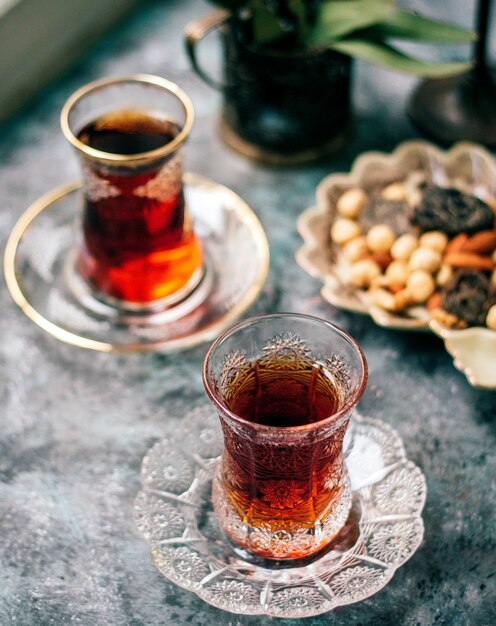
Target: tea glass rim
x=351, y=402
x=145, y=79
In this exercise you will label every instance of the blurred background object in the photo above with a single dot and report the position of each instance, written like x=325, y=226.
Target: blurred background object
x=461, y=107
x=40, y=38
x=287, y=67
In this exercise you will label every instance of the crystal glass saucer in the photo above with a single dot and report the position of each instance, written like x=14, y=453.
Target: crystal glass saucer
x=40, y=274
x=174, y=512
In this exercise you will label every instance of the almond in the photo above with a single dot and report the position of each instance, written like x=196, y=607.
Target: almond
x=480, y=243
x=456, y=243
x=435, y=302
x=469, y=260
x=396, y=288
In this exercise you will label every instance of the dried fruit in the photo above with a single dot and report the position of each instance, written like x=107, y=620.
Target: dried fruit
x=469, y=296
x=457, y=243
x=469, y=261
x=452, y=212
x=435, y=301
x=383, y=259
x=391, y=212
x=480, y=243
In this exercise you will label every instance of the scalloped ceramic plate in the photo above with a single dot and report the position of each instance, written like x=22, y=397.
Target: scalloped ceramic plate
x=174, y=512
x=466, y=166
x=473, y=351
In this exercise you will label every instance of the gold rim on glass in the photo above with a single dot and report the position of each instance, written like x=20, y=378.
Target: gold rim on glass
x=207, y=333
x=140, y=156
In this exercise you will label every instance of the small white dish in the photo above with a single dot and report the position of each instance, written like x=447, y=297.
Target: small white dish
x=473, y=351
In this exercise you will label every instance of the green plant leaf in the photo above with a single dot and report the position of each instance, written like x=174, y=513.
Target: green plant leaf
x=380, y=53
x=298, y=9
x=266, y=26
x=230, y=4
x=338, y=19
x=341, y=9
x=405, y=25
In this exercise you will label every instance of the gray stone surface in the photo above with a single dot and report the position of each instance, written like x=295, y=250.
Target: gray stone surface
x=75, y=425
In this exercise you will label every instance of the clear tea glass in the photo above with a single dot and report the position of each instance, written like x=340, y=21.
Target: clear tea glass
x=284, y=387
x=139, y=247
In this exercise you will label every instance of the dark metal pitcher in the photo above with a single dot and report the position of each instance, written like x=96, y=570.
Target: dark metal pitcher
x=279, y=107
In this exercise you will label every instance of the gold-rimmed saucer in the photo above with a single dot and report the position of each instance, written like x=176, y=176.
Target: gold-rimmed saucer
x=37, y=261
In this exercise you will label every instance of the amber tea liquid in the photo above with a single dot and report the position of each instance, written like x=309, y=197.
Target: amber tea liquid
x=139, y=246
x=275, y=484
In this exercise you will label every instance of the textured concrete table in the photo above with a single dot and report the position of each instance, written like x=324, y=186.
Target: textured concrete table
x=75, y=425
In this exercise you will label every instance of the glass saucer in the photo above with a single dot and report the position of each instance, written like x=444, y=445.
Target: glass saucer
x=40, y=274
x=174, y=512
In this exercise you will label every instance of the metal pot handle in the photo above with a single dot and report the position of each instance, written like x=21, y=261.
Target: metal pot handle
x=195, y=32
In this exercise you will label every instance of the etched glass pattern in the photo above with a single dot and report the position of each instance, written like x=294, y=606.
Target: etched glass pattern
x=188, y=547
x=283, y=493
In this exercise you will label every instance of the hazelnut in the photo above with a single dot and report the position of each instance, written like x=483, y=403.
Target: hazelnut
x=413, y=185
x=397, y=272
x=420, y=285
x=491, y=318
x=363, y=272
x=351, y=202
x=444, y=275
x=414, y=196
x=493, y=279
x=403, y=247
x=356, y=249
x=380, y=238
x=425, y=259
x=380, y=281
x=382, y=298
x=435, y=240
x=344, y=230
x=395, y=191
